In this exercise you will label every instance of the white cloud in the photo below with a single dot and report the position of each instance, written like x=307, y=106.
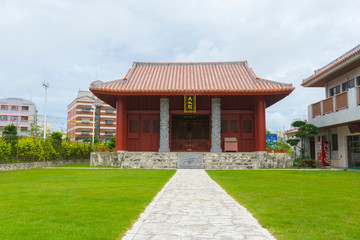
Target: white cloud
x=66, y=42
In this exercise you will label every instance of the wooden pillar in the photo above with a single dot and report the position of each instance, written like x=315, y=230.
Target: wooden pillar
x=121, y=123
x=260, y=124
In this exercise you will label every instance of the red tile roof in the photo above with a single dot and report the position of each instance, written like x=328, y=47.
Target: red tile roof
x=321, y=71
x=147, y=78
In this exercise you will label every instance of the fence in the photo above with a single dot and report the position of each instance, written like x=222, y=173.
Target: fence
x=33, y=149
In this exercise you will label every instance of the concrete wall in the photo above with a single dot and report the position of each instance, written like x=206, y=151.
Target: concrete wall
x=28, y=165
x=338, y=158
x=341, y=79
x=251, y=160
x=350, y=114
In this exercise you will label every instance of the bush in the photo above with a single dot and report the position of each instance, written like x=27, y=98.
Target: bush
x=305, y=162
x=5, y=151
x=26, y=149
x=282, y=145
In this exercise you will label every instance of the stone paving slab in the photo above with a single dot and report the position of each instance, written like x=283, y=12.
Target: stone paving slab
x=193, y=206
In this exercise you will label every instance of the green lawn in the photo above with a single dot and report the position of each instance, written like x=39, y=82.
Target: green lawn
x=75, y=203
x=298, y=204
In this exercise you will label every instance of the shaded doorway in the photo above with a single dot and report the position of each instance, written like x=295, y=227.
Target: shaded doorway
x=190, y=133
x=354, y=151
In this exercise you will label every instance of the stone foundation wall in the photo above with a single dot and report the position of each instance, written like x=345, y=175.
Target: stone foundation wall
x=28, y=165
x=134, y=159
x=251, y=160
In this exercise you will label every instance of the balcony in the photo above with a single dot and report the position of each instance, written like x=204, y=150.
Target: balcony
x=338, y=109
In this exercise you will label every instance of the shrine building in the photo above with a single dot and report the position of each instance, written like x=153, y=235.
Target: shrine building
x=195, y=106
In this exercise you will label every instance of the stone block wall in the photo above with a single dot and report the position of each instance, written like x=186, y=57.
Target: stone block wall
x=250, y=160
x=28, y=165
x=134, y=159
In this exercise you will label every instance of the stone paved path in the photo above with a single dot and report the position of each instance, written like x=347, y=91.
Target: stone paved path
x=193, y=206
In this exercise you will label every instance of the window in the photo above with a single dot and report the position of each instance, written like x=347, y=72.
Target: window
x=87, y=120
x=24, y=108
x=234, y=126
x=109, y=110
x=133, y=126
x=322, y=138
x=3, y=117
x=109, y=133
x=2, y=128
x=23, y=129
x=109, y=121
x=334, y=90
x=334, y=141
x=146, y=126
x=85, y=132
x=14, y=118
x=156, y=126
x=358, y=80
x=348, y=84
x=4, y=107
x=224, y=126
x=247, y=126
x=85, y=109
x=15, y=108
x=24, y=118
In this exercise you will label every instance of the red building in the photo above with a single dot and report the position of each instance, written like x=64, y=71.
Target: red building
x=190, y=106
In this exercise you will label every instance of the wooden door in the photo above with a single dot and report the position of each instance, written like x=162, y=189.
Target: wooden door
x=246, y=143
x=230, y=127
x=133, y=132
x=150, y=132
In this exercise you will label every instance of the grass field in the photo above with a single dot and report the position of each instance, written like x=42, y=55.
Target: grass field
x=75, y=203
x=298, y=204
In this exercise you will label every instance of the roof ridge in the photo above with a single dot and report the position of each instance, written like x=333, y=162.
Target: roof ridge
x=191, y=63
x=102, y=84
x=352, y=52
x=274, y=82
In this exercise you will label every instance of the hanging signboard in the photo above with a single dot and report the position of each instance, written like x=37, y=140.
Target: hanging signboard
x=190, y=104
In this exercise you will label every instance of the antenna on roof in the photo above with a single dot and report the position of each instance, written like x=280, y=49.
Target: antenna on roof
x=96, y=76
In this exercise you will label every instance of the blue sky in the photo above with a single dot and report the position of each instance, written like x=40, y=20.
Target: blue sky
x=67, y=42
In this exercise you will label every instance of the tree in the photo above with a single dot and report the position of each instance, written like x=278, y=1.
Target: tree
x=305, y=131
x=56, y=136
x=112, y=143
x=35, y=130
x=10, y=129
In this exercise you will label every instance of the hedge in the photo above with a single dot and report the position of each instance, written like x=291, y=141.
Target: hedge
x=26, y=149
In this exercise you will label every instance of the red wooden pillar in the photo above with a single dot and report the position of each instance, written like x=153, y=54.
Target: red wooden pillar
x=120, y=124
x=260, y=124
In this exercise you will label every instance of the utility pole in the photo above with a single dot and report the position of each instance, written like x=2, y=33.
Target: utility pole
x=46, y=85
x=93, y=127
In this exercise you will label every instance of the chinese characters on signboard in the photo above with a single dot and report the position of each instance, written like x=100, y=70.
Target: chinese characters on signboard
x=189, y=104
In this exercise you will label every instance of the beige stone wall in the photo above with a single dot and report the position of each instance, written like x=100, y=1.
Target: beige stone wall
x=28, y=165
x=252, y=160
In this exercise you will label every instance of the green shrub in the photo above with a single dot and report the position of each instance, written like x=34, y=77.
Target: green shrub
x=5, y=151
x=28, y=149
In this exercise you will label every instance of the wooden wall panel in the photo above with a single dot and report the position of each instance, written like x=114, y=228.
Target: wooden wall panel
x=143, y=103
x=237, y=103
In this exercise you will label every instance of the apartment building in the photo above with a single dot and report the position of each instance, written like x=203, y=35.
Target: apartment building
x=17, y=111
x=82, y=112
x=338, y=115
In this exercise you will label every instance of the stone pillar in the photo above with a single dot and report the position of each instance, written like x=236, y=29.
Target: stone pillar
x=261, y=125
x=164, y=125
x=215, y=125
x=121, y=123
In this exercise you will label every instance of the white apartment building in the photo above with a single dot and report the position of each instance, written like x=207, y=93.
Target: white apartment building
x=338, y=115
x=17, y=111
